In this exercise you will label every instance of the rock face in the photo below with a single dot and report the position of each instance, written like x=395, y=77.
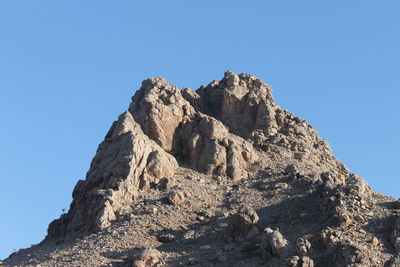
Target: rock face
x=193, y=176
x=160, y=128
x=126, y=163
x=191, y=136
x=159, y=108
x=216, y=130
x=242, y=102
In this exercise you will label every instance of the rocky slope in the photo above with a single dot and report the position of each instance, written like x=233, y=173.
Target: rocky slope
x=219, y=176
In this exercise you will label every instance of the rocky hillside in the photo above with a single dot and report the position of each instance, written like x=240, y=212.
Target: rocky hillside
x=219, y=176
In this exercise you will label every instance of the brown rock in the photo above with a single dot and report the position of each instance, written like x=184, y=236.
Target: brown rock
x=202, y=141
x=165, y=184
x=273, y=244
x=296, y=261
x=242, y=102
x=147, y=258
x=167, y=238
x=210, y=148
x=159, y=108
x=176, y=197
x=358, y=185
x=245, y=220
x=306, y=262
x=292, y=171
x=193, y=98
x=302, y=246
x=229, y=129
x=126, y=162
x=375, y=241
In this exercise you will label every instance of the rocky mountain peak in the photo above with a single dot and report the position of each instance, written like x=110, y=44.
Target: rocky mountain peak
x=241, y=102
x=222, y=157
x=220, y=129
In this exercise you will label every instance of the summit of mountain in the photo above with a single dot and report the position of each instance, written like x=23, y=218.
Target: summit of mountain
x=218, y=176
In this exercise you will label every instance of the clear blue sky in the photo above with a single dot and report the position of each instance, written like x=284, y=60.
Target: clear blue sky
x=68, y=68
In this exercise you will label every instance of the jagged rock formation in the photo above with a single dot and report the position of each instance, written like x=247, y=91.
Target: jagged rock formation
x=191, y=136
x=224, y=173
x=126, y=162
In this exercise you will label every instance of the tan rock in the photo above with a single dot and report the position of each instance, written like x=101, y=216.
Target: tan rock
x=296, y=261
x=210, y=148
x=273, y=244
x=176, y=197
x=302, y=246
x=375, y=241
x=244, y=220
x=165, y=184
x=307, y=262
x=193, y=98
x=242, y=102
x=202, y=141
x=126, y=162
x=216, y=130
x=159, y=108
x=358, y=185
x=147, y=258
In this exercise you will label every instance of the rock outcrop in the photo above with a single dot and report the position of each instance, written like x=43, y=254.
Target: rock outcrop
x=216, y=130
x=126, y=163
x=191, y=136
x=273, y=244
x=241, y=102
x=160, y=128
x=189, y=177
x=244, y=223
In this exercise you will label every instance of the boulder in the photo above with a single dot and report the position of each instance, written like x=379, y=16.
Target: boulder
x=245, y=221
x=291, y=171
x=307, y=262
x=273, y=244
x=303, y=246
x=165, y=184
x=358, y=186
x=176, y=197
x=147, y=258
x=166, y=238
